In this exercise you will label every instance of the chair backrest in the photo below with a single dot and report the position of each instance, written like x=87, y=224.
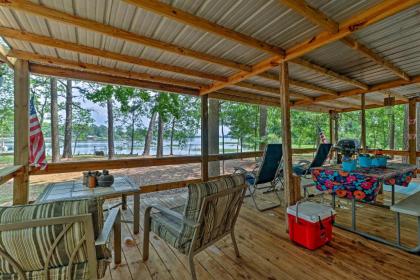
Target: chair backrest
x=55, y=239
x=215, y=206
x=321, y=155
x=273, y=155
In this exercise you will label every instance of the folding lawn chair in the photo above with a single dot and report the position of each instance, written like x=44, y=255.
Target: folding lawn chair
x=268, y=171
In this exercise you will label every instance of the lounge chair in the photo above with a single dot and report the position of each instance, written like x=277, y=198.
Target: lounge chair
x=303, y=167
x=209, y=214
x=57, y=240
x=268, y=171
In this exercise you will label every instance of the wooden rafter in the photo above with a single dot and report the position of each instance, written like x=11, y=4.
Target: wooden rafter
x=271, y=90
x=360, y=21
x=203, y=24
x=115, y=32
x=312, y=14
x=71, y=64
x=107, y=79
x=319, y=18
x=3, y=57
x=373, y=106
x=66, y=45
x=365, y=51
x=329, y=73
x=300, y=84
x=354, y=92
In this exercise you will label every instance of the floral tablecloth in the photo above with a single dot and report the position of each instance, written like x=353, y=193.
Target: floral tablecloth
x=362, y=183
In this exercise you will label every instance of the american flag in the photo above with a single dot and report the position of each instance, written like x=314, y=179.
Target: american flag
x=322, y=136
x=36, y=140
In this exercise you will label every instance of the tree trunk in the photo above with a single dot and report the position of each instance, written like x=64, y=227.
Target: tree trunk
x=132, y=133
x=263, y=127
x=111, y=148
x=67, y=152
x=75, y=144
x=159, y=151
x=172, y=136
x=149, y=135
x=55, y=145
x=391, y=139
x=214, y=107
x=405, y=132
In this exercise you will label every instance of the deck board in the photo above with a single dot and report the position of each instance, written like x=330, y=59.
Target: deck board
x=267, y=253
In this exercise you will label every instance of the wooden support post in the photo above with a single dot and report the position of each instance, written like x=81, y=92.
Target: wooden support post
x=286, y=134
x=363, y=120
x=412, y=130
x=332, y=129
x=213, y=132
x=21, y=128
x=204, y=138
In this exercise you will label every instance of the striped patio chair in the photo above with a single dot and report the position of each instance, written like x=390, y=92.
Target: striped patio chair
x=209, y=214
x=57, y=240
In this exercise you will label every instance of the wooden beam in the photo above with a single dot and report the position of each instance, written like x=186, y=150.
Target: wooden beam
x=312, y=14
x=363, y=122
x=299, y=84
x=358, y=22
x=412, y=131
x=331, y=126
x=373, y=106
x=21, y=131
x=107, y=79
x=396, y=95
x=71, y=64
x=65, y=45
x=354, y=92
x=204, y=138
x=330, y=25
x=203, y=24
x=327, y=72
x=362, y=49
x=244, y=97
x=275, y=91
x=286, y=134
x=3, y=57
x=49, y=13
x=363, y=19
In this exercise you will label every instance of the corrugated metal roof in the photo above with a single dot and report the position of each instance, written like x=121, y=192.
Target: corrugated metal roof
x=396, y=38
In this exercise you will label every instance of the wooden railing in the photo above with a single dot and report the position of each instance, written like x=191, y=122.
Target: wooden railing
x=78, y=166
x=9, y=172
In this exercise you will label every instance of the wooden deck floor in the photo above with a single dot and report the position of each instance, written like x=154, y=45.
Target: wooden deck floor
x=267, y=253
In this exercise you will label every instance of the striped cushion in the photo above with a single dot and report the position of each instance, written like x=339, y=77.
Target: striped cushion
x=180, y=235
x=29, y=246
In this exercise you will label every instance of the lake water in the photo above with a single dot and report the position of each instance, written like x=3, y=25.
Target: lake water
x=193, y=147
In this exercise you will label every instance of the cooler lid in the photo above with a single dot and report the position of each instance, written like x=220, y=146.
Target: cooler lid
x=311, y=211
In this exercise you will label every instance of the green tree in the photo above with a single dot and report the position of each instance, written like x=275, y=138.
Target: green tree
x=82, y=122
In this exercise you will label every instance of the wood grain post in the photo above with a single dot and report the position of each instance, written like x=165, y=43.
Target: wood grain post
x=21, y=131
x=204, y=138
x=363, y=121
x=286, y=134
x=412, y=130
x=332, y=131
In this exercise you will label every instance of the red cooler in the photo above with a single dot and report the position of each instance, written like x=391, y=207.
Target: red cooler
x=310, y=224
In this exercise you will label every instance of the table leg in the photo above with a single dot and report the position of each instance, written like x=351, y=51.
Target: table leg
x=392, y=194
x=353, y=214
x=418, y=229
x=136, y=214
x=397, y=225
x=124, y=202
x=333, y=201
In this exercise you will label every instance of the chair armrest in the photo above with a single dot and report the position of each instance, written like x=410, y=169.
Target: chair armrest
x=303, y=162
x=172, y=213
x=114, y=217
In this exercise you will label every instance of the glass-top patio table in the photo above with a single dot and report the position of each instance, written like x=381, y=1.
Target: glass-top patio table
x=361, y=185
x=74, y=189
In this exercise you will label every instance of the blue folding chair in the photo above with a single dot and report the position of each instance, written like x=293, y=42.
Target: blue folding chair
x=267, y=171
x=303, y=167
